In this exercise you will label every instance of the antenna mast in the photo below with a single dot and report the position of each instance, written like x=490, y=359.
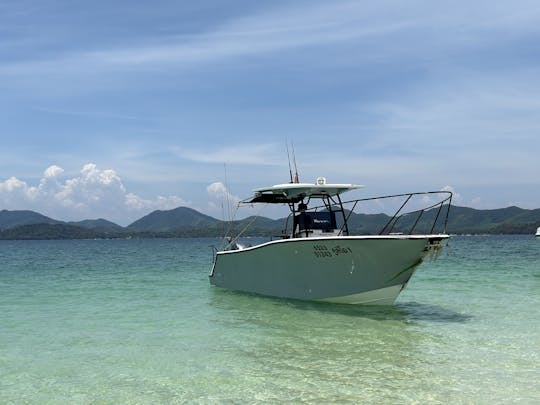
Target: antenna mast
x=296, y=180
x=289, y=159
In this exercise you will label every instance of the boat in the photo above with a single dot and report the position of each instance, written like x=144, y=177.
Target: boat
x=538, y=232
x=317, y=258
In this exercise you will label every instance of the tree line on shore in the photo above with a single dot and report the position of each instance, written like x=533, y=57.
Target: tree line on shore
x=187, y=222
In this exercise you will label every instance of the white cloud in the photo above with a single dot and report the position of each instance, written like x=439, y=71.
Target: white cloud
x=455, y=195
x=217, y=191
x=220, y=200
x=11, y=185
x=225, y=205
x=53, y=171
x=93, y=193
x=259, y=154
x=136, y=203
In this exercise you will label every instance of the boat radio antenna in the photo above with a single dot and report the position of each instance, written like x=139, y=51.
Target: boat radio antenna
x=296, y=180
x=289, y=159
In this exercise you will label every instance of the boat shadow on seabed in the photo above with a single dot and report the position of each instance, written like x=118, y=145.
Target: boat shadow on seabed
x=401, y=311
x=406, y=312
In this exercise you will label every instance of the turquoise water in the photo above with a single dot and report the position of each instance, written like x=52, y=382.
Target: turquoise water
x=136, y=322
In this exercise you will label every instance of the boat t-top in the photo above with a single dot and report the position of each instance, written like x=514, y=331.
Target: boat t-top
x=319, y=256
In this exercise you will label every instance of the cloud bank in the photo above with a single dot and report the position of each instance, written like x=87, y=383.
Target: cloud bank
x=92, y=193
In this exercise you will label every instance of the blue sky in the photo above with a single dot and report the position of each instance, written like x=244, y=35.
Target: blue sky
x=114, y=109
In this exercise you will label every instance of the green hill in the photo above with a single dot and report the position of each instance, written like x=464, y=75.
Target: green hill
x=98, y=224
x=462, y=220
x=187, y=222
x=173, y=220
x=503, y=220
x=12, y=219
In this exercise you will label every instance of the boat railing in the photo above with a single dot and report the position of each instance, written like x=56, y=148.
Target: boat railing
x=407, y=219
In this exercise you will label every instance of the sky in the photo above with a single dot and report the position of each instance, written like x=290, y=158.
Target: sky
x=115, y=109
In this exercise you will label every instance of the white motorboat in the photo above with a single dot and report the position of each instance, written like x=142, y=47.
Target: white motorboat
x=538, y=232
x=317, y=258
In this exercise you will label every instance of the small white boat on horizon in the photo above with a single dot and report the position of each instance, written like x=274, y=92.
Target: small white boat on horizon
x=316, y=257
x=538, y=232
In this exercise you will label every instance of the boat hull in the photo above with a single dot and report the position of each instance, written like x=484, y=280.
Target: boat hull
x=351, y=270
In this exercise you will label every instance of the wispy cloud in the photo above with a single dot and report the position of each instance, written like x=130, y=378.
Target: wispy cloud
x=239, y=154
x=306, y=25
x=271, y=31
x=89, y=114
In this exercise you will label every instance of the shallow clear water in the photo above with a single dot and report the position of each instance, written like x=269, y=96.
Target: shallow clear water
x=136, y=321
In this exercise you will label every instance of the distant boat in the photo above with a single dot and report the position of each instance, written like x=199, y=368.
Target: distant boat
x=317, y=259
x=538, y=232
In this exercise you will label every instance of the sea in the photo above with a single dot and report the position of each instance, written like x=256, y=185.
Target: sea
x=137, y=322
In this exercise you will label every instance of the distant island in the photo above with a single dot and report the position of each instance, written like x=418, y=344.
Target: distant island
x=187, y=222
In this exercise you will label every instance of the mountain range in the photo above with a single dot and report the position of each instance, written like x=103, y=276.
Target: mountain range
x=187, y=222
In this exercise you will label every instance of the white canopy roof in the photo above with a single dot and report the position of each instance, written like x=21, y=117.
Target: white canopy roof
x=294, y=192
